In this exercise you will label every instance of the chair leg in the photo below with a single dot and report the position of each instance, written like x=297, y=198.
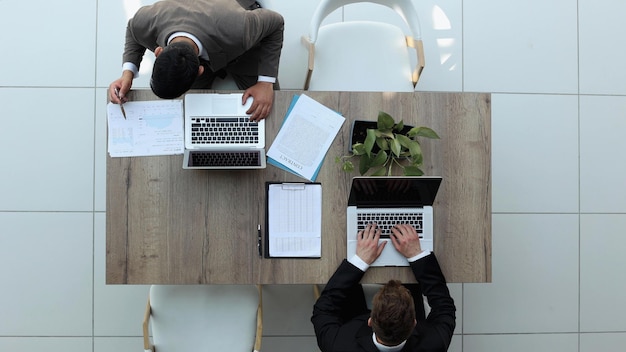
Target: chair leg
x=316, y=291
x=147, y=346
x=259, y=321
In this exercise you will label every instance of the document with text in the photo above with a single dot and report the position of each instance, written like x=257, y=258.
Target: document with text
x=150, y=128
x=294, y=220
x=304, y=138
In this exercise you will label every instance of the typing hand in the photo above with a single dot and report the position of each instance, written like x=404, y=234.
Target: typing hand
x=406, y=240
x=368, y=246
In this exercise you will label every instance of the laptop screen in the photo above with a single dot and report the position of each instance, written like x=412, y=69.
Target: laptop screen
x=393, y=191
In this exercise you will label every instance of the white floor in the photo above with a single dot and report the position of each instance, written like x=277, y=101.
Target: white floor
x=559, y=194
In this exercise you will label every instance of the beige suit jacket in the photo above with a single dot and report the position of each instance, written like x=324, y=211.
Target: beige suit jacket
x=226, y=28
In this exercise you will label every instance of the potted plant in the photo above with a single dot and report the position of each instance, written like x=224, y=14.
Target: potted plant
x=386, y=146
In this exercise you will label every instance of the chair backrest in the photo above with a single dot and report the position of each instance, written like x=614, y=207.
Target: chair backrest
x=363, y=55
x=204, y=317
x=404, y=8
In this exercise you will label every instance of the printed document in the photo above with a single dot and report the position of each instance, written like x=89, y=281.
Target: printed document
x=150, y=128
x=294, y=215
x=304, y=138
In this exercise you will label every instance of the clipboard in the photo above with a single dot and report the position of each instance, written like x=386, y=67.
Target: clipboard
x=293, y=219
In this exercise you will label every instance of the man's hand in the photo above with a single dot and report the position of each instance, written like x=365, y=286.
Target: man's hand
x=120, y=87
x=406, y=240
x=263, y=94
x=368, y=247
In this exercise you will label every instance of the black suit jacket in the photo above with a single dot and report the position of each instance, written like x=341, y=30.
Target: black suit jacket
x=335, y=334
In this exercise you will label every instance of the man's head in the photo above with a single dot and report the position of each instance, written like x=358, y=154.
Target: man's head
x=393, y=313
x=175, y=69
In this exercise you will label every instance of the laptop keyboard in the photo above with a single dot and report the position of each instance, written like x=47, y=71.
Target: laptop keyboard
x=210, y=158
x=386, y=221
x=231, y=130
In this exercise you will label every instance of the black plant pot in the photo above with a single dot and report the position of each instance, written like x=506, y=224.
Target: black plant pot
x=358, y=133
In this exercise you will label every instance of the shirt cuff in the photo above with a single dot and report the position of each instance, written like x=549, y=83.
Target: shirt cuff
x=129, y=66
x=266, y=79
x=359, y=263
x=421, y=255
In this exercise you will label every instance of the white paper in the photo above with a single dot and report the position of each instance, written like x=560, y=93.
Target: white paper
x=295, y=220
x=150, y=128
x=304, y=139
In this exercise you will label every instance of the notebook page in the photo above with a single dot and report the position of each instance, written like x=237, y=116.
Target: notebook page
x=295, y=220
x=150, y=128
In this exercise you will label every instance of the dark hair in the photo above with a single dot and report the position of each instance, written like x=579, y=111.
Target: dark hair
x=393, y=313
x=175, y=70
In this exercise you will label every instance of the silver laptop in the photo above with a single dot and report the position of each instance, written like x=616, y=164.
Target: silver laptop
x=219, y=133
x=388, y=201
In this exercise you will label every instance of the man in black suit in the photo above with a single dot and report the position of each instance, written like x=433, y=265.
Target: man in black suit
x=342, y=321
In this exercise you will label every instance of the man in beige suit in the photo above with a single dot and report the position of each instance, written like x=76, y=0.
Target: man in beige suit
x=196, y=40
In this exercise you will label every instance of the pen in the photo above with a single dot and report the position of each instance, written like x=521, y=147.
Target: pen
x=258, y=244
x=117, y=93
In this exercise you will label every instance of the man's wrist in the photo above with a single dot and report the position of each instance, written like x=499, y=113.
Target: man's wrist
x=266, y=79
x=359, y=263
x=418, y=256
x=130, y=67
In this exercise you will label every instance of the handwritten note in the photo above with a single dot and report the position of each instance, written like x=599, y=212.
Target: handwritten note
x=150, y=128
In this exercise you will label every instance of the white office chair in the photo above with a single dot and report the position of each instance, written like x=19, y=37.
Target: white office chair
x=194, y=318
x=363, y=55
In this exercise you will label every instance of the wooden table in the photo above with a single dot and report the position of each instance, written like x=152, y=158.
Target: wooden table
x=166, y=225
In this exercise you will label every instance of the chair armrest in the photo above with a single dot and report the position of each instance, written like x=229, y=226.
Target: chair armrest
x=147, y=345
x=259, y=321
x=316, y=291
x=418, y=45
x=310, y=47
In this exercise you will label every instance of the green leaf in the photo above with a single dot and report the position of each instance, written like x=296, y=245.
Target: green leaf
x=399, y=126
x=364, y=164
x=379, y=159
x=396, y=148
x=384, y=134
x=412, y=171
x=404, y=140
x=369, y=141
x=380, y=172
x=337, y=159
x=347, y=166
x=415, y=149
x=423, y=132
x=358, y=149
x=382, y=143
x=417, y=159
x=385, y=121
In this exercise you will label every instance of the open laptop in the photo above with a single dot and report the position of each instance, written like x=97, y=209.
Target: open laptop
x=219, y=133
x=388, y=201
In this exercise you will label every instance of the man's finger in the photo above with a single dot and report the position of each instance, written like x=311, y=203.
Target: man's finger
x=381, y=247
